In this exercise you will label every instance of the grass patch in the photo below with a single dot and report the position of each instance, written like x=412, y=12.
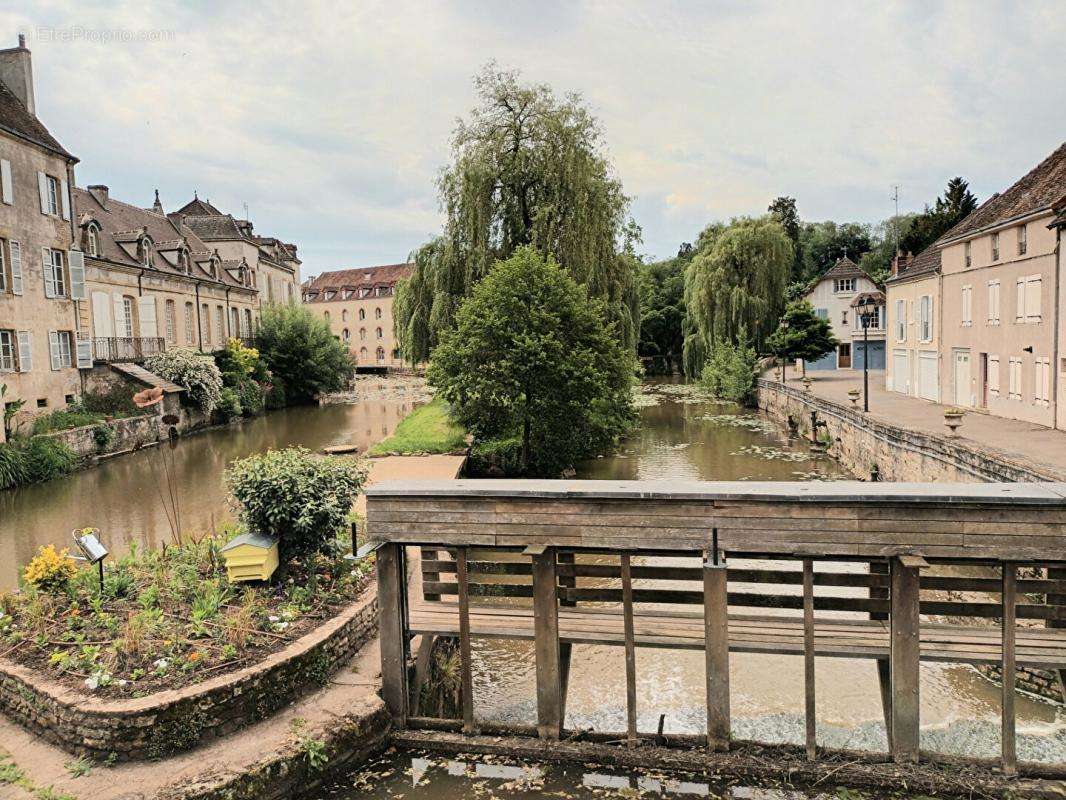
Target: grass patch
x=427, y=429
x=65, y=419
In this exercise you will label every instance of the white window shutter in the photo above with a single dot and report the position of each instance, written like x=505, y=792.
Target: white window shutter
x=42, y=188
x=76, y=261
x=1020, y=310
x=53, y=349
x=48, y=272
x=85, y=353
x=25, y=351
x=16, y=267
x=1033, y=297
x=65, y=200
x=120, y=315
x=102, y=326
x=146, y=309
x=6, y=192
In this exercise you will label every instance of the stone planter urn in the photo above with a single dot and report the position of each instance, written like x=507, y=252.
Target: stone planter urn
x=953, y=420
x=853, y=396
x=806, y=383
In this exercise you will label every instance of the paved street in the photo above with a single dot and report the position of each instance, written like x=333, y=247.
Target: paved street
x=1021, y=441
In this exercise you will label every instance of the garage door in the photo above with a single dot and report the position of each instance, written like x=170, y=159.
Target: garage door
x=877, y=355
x=928, y=376
x=901, y=372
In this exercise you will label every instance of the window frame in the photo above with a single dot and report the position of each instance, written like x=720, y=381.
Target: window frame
x=8, y=351
x=52, y=196
x=1023, y=239
x=995, y=246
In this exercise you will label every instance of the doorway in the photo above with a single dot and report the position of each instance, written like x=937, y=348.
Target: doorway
x=963, y=397
x=983, y=374
x=844, y=356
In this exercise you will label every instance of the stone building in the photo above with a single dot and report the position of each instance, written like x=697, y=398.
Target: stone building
x=357, y=304
x=834, y=298
x=153, y=283
x=42, y=275
x=274, y=263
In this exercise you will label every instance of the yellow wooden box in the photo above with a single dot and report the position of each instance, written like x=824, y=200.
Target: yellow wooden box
x=251, y=557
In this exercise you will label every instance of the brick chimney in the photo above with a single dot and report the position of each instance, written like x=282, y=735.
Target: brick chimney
x=16, y=73
x=899, y=263
x=99, y=192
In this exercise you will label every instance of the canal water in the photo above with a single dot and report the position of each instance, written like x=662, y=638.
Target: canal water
x=121, y=496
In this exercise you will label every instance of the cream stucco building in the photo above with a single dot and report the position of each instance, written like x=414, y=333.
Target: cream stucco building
x=357, y=304
x=912, y=365
x=835, y=297
x=42, y=275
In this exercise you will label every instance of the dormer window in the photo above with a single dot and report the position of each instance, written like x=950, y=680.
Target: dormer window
x=146, y=251
x=92, y=240
x=183, y=261
x=330, y=295
x=214, y=268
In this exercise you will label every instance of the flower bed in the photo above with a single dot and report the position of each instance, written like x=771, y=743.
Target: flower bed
x=166, y=619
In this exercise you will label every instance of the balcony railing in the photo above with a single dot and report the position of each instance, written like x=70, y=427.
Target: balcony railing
x=127, y=348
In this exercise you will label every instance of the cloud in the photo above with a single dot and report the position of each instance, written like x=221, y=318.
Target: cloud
x=332, y=122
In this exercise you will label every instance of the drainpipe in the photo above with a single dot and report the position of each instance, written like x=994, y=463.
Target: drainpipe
x=229, y=320
x=74, y=241
x=1055, y=321
x=199, y=323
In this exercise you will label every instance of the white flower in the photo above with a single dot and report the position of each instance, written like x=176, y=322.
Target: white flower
x=93, y=682
x=272, y=618
x=162, y=663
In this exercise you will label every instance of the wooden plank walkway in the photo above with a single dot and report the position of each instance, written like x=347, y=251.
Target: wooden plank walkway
x=748, y=633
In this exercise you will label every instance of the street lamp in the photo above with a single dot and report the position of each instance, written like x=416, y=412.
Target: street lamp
x=867, y=308
x=783, y=325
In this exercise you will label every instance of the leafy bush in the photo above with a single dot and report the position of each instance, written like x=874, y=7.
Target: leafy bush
x=115, y=402
x=246, y=374
x=301, y=353
x=48, y=458
x=74, y=416
x=198, y=373
x=229, y=404
x=496, y=458
x=103, y=435
x=729, y=373
x=300, y=498
x=50, y=570
x=12, y=465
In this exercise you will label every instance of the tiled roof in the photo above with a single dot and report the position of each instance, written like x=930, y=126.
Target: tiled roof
x=214, y=226
x=844, y=268
x=199, y=208
x=925, y=263
x=1037, y=190
x=386, y=275
x=16, y=118
x=121, y=223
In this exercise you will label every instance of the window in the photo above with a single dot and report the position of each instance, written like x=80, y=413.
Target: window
x=146, y=251
x=55, y=284
x=968, y=250
x=1023, y=239
x=362, y=314
x=170, y=321
x=3, y=267
x=190, y=310
x=92, y=241
x=329, y=295
x=1029, y=290
x=1014, y=387
x=844, y=317
x=220, y=323
x=362, y=354
x=841, y=285
x=7, y=351
x=346, y=335
x=995, y=247
x=60, y=347
x=381, y=355
x=993, y=302
x=362, y=334
x=1042, y=381
x=925, y=318
x=234, y=322
x=51, y=195
x=126, y=328
x=344, y=315
x=967, y=306
x=993, y=376
x=247, y=330
x=901, y=320
x=377, y=313
x=205, y=321
x=822, y=313
x=378, y=332
x=325, y=316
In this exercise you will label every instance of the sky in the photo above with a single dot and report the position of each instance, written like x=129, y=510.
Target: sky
x=331, y=121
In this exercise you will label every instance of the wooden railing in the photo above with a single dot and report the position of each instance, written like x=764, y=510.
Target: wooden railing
x=556, y=562
x=126, y=348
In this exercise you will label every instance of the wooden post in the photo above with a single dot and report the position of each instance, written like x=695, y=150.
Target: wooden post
x=716, y=647
x=546, y=642
x=884, y=674
x=808, y=657
x=1007, y=741
x=391, y=585
x=1058, y=573
x=565, y=648
x=631, y=651
x=465, y=667
x=904, y=657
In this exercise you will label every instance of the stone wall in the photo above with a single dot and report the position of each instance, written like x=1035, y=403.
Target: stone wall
x=169, y=722
x=129, y=433
x=864, y=446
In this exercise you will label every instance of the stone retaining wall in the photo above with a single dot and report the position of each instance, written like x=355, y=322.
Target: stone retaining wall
x=169, y=722
x=863, y=445
x=130, y=433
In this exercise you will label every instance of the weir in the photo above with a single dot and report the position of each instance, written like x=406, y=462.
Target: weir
x=560, y=563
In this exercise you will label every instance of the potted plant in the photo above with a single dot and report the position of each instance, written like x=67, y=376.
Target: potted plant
x=806, y=383
x=854, y=395
x=953, y=419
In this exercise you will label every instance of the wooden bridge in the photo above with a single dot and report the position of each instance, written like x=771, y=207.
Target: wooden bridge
x=567, y=562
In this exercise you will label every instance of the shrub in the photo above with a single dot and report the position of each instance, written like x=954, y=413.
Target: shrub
x=245, y=373
x=496, y=457
x=62, y=419
x=50, y=570
x=229, y=404
x=301, y=353
x=12, y=465
x=103, y=436
x=115, y=402
x=729, y=373
x=48, y=458
x=300, y=498
x=196, y=372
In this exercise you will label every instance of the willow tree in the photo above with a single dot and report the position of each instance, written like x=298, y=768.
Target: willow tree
x=527, y=168
x=735, y=286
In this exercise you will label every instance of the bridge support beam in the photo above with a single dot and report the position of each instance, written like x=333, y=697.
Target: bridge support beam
x=716, y=647
x=903, y=657
x=546, y=643
x=391, y=629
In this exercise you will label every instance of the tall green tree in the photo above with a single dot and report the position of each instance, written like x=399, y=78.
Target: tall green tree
x=802, y=334
x=662, y=311
x=784, y=210
x=530, y=359
x=735, y=286
x=822, y=244
x=949, y=209
x=301, y=352
x=527, y=168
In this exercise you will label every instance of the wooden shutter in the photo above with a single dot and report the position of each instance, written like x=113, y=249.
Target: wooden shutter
x=102, y=326
x=25, y=351
x=85, y=352
x=65, y=199
x=6, y=192
x=48, y=272
x=16, y=267
x=53, y=349
x=1032, y=298
x=146, y=309
x=993, y=374
x=76, y=261
x=1020, y=309
x=42, y=188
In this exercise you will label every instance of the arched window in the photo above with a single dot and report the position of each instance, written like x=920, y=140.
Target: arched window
x=325, y=316
x=190, y=323
x=362, y=334
x=362, y=354
x=247, y=330
x=171, y=322
x=377, y=313
x=345, y=335
x=183, y=261
x=381, y=355
x=362, y=314
x=234, y=322
x=379, y=334
x=126, y=326
x=344, y=315
x=92, y=240
x=146, y=251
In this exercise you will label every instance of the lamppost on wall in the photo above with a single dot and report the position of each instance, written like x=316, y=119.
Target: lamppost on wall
x=867, y=308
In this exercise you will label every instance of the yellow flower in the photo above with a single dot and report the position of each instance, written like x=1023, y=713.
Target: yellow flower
x=50, y=569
